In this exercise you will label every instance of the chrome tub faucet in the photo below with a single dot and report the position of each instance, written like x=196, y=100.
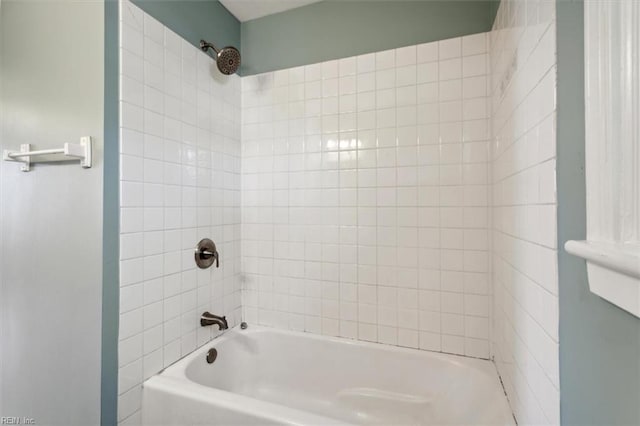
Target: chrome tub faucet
x=208, y=319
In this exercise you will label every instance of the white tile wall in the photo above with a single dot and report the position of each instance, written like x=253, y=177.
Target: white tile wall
x=365, y=197
x=180, y=182
x=525, y=280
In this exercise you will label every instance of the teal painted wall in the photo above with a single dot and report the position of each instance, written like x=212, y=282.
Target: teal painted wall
x=599, y=343
x=322, y=31
x=194, y=20
x=337, y=29
x=111, y=223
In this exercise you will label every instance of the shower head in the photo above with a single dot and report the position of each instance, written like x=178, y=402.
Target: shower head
x=227, y=58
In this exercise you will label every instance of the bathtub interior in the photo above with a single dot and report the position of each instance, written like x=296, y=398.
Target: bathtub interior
x=350, y=381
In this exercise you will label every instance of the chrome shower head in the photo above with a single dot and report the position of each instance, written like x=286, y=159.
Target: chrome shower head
x=227, y=58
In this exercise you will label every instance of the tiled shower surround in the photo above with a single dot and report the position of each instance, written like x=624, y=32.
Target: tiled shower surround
x=365, y=197
x=180, y=182
x=405, y=197
x=525, y=271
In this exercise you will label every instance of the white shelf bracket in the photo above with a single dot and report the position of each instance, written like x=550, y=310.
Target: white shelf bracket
x=82, y=151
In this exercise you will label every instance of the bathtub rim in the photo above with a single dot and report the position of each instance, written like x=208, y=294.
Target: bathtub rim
x=178, y=368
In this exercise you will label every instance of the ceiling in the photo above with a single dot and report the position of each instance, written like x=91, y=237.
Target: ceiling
x=246, y=10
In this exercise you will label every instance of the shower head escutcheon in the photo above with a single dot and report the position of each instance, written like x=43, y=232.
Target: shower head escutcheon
x=227, y=58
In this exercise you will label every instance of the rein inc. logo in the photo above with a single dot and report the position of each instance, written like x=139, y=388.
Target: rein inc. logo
x=15, y=420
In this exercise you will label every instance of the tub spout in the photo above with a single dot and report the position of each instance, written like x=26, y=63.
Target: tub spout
x=208, y=318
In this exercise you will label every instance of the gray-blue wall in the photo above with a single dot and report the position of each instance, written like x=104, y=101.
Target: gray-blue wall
x=599, y=343
x=338, y=29
x=194, y=20
x=111, y=223
x=324, y=30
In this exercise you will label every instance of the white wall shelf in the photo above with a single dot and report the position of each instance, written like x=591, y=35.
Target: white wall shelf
x=614, y=272
x=81, y=151
x=612, y=149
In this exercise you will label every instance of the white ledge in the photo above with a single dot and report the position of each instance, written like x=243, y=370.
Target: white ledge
x=617, y=257
x=614, y=271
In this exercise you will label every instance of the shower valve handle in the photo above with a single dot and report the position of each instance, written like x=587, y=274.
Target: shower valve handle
x=206, y=253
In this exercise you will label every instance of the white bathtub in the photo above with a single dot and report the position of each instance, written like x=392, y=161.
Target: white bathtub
x=264, y=376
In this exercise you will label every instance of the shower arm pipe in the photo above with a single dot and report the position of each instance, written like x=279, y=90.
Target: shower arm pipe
x=204, y=45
